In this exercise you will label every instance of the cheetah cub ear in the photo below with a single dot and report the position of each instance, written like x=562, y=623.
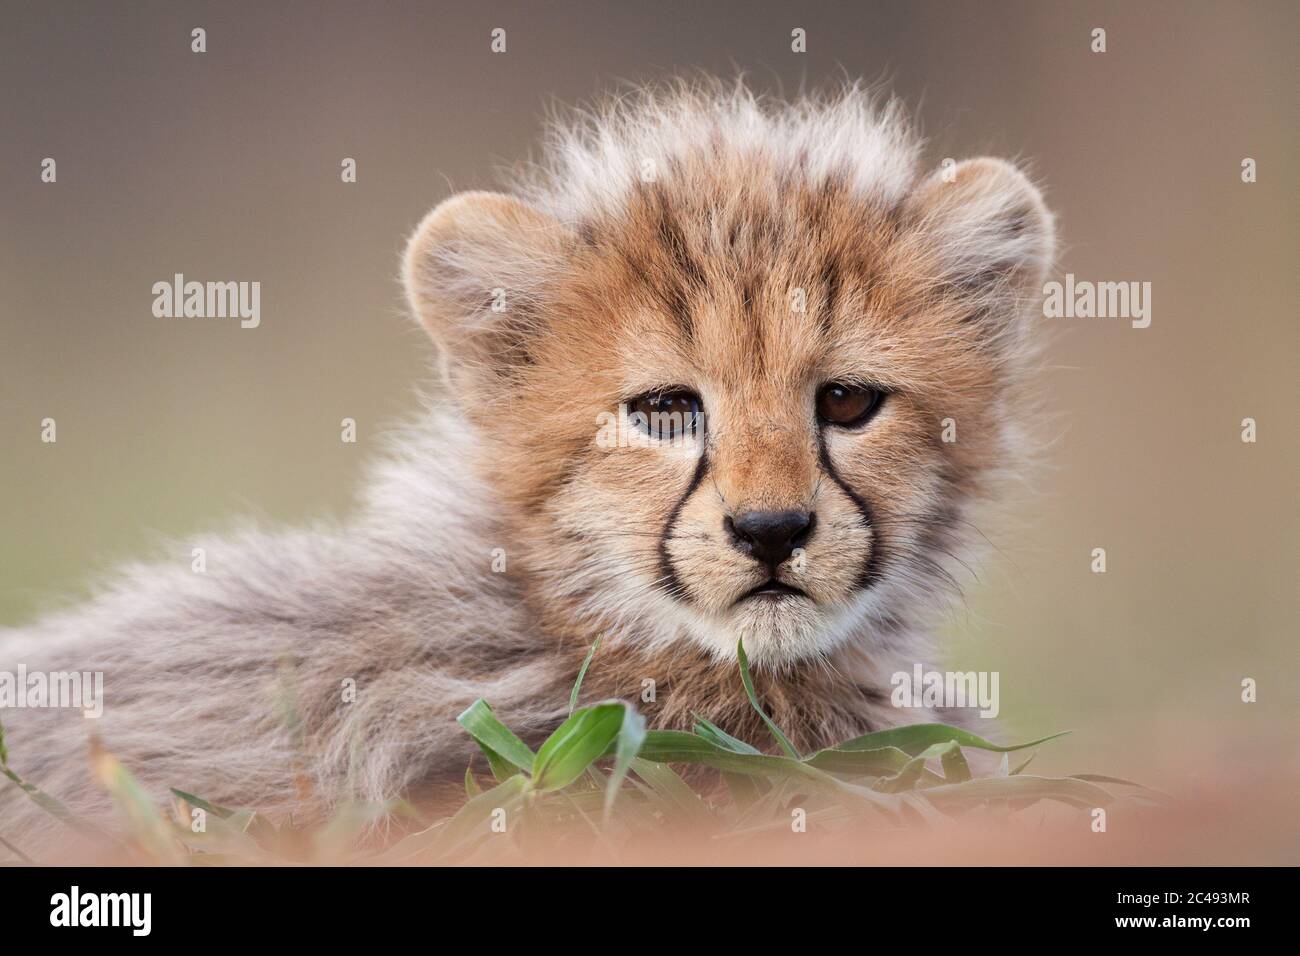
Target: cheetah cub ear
x=473, y=271
x=992, y=236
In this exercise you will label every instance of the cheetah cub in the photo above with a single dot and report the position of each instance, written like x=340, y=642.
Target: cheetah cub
x=716, y=368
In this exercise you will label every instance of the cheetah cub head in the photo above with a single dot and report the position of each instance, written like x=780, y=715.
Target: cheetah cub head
x=740, y=368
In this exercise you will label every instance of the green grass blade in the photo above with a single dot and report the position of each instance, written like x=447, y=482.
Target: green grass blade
x=257, y=828
x=1102, y=778
x=753, y=700
x=745, y=791
x=582, y=672
x=864, y=763
x=711, y=731
x=922, y=812
x=502, y=769
x=914, y=772
x=472, y=789
x=202, y=804
x=631, y=735
x=152, y=831
x=42, y=799
x=53, y=807
x=1158, y=795
x=583, y=738
x=494, y=737
x=762, y=810
x=1076, y=793
x=914, y=738
x=905, y=779
x=675, y=791
x=675, y=746
x=596, y=830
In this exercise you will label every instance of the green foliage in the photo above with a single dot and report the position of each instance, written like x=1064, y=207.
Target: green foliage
x=601, y=780
x=753, y=700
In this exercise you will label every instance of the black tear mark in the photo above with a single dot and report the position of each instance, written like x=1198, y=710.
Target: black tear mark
x=871, y=569
x=673, y=584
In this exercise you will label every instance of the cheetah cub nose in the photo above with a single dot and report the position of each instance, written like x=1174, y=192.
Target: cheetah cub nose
x=769, y=536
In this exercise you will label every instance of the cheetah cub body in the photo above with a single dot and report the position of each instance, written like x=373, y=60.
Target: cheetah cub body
x=699, y=364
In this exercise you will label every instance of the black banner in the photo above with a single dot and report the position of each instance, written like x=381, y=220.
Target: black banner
x=338, y=905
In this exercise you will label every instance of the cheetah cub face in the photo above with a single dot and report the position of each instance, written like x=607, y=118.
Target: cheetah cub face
x=739, y=370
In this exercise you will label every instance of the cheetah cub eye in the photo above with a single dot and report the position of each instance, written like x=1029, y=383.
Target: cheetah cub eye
x=667, y=415
x=848, y=406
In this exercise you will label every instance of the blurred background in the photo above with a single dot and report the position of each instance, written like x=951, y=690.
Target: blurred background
x=226, y=165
